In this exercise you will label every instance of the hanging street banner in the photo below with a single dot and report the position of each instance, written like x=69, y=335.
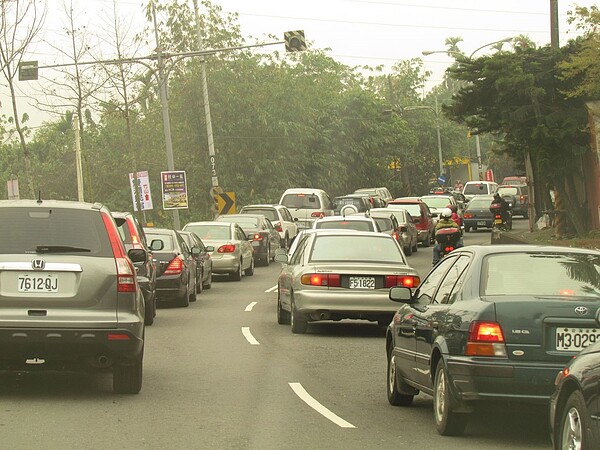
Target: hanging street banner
x=145, y=197
x=174, y=189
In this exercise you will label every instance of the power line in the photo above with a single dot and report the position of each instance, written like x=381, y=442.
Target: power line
x=451, y=8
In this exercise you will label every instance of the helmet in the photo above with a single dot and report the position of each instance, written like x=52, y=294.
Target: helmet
x=446, y=213
x=453, y=208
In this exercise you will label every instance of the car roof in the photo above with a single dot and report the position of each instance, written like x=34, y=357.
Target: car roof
x=406, y=200
x=28, y=203
x=303, y=191
x=265, y=205
x=359, y=216
x=210, y=222
x=357, y=195
x=159, y=230
x=525, y=248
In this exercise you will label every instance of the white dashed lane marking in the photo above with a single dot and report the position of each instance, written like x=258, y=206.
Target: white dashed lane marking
x=310, y=401
x=271, y=289
x=250, y=306
x=249, y=337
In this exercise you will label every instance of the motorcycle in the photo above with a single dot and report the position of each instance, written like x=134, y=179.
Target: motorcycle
x=448, y=239
x=500, y=221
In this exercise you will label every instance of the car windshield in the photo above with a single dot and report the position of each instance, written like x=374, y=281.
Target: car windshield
x=304, y=201
x=358, y=225
x=210, y=232
x=475, y=189
x=541, y=274
x=478, y=203
x=352, y=248
x=268, y=213
x=436, y=202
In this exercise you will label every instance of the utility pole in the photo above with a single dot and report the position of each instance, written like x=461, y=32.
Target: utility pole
x=164, y=103
x=554, y=24
x=215, y=189
x=75, y=125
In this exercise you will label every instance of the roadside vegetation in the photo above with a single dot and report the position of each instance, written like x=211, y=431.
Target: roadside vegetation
x=297, y=119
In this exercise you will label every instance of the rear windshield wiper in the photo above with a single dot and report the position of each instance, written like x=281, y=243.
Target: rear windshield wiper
x=59, y=249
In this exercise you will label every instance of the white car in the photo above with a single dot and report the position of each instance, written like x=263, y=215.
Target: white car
x=352, y=222
x=280, y=217
x=307, y=205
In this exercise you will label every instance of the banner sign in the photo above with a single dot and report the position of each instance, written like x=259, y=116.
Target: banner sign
x=174, y=189
x=145, y=197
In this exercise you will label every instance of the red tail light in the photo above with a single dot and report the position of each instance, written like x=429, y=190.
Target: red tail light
x=321, y=279
x=226, y=248
x=257, y=237
x=278, y=227
x=175, y=267
x=117, y=337
x=448, y=249
x=522, y=198
x=126, y=281
x=409, y=281
x=468, y=215
x=135, y=239
x=317, y=214
x=396, y=236
x=485, y=339
x=497, y=216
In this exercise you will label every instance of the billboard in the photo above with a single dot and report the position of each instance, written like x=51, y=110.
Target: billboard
x=174, y=189
x=145, y=197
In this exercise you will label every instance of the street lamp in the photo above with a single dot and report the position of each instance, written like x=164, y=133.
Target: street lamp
x=452, y=52
x=437, y=128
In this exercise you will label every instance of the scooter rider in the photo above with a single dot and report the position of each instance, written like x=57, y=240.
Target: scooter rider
x=444, y=222
x=505, y=207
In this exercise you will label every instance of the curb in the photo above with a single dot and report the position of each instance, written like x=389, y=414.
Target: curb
x=501, y=237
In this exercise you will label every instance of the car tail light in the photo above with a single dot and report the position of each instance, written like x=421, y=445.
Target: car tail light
x=467, y=215
x=117, y=337
x=317, y=214
x=561, y=375
x=175, y=267
x=321, y=279
x=278, y=227
x=409, y=281
x=395, y=235
x=485, y=339
x=126, y=281
x=135, y=239
x=497, y=216
x=226, y=248
x=257, y=237
x=448, y=249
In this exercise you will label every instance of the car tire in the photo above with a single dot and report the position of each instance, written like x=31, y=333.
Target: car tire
x=426, y=242
x=393, y=394
x=127, y=379
x=208, y=283
x=237, y=275
x=199, y=285
x=286, y=242
x=447, y=422
x=573, y=429
x=283, y=317
x=192, y=293
x=250, y=270
x=467, y=229
x=184, y=300
x=415, y=247
x=267, y=259
x=149, y=311
x=297, y=321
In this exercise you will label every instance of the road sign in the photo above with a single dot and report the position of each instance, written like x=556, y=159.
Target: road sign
x=28, y=70
x=294, y=41
x=226, y=203
x=442, y=179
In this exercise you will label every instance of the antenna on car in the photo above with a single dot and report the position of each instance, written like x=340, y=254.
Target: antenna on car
x=39, y=199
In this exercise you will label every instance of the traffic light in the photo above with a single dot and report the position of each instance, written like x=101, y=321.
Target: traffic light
x=294, y=41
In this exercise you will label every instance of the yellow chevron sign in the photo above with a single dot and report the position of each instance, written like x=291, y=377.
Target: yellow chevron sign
x=225, y=203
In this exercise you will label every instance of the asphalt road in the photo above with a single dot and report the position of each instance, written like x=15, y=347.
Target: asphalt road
x=222, y=374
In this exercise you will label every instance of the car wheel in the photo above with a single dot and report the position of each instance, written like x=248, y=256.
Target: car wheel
x=573, y=423
x=467, y=229
x=394, y=396
x=408, y=250
x=283, y=317
x=149, y=312
x=286, y=243
x=192, y=292
x=425, y=242
x=267, y=259
x=415, y=247
x=237, y=275
x=298, y=322
x=127, y=379
x=184, y=300
x=199, y=285
x=208, y=283
x=448, y=423
x=250, y=270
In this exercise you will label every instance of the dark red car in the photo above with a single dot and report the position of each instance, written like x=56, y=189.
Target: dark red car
x=421, y=215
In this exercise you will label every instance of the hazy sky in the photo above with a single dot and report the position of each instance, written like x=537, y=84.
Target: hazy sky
x=356, y=32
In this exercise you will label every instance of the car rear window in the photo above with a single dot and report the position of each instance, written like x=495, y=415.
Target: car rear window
x=244, y=222
x=304, y=201
x=375, y=248
x=270, y=214
x=358, y=225
x=436, y=202
x=210, y=232
x=414, y=210
x=476, y=189
x=507, y=191
x=167, y=240
x=339, y=202
x=23, y=230
x=384, y=223
x=541, y=274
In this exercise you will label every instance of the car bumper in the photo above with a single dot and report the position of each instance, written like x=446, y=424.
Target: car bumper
x=333, y=304
x=60, y=346
x=422, y=234
x=168, y=287
x=487, y=379
x=225, y=264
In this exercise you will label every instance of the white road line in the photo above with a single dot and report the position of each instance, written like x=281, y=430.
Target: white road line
x=271, y=289
x=249, y=337
x=250, y=306
x=310, y=401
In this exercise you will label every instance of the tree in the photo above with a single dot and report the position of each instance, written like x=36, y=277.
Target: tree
x=20, y=22
x=518, y=96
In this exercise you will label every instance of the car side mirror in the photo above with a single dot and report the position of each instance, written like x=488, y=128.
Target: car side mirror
x=157, y=245
x=137, y=255
x=281, y=256
x=401, y=294
x=210, y=249
x=195, y=251
x=403, y=229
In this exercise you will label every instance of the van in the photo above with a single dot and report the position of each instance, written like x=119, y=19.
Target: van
x=473, y=188
x=307, y=205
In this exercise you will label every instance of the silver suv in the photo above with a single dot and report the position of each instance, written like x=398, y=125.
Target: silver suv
x=69, y=297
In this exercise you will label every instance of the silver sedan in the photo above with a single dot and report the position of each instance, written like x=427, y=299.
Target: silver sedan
x=341, y=274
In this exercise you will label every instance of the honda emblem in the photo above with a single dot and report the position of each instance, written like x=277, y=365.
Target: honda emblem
x=38, y=264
